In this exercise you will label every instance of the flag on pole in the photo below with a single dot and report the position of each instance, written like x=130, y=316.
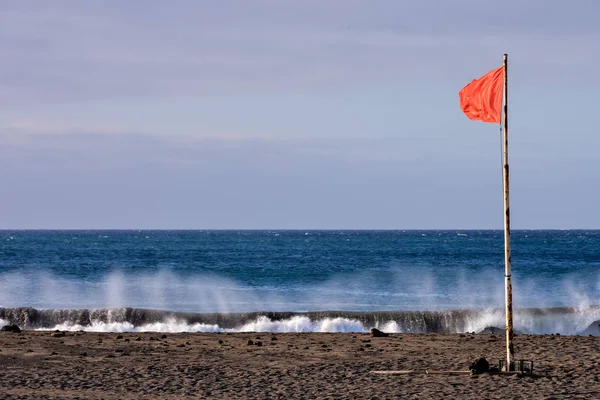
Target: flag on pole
x=481, y=99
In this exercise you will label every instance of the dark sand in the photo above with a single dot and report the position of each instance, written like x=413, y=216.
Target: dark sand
x=288, y=366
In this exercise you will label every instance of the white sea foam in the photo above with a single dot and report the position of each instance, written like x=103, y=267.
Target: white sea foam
x=261, y=324
x=171, y=326
x=303, y=324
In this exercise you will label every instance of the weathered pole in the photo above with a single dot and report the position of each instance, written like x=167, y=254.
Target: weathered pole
x=507, y=262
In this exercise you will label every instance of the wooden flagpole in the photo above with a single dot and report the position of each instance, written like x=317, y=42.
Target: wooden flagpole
x=507, y=261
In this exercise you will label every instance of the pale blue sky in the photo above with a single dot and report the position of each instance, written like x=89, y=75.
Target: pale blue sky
x=294, y=114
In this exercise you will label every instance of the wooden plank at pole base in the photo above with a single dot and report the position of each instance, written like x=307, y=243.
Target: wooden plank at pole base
x=400, y=372
x=442, y=372
x=421, y=371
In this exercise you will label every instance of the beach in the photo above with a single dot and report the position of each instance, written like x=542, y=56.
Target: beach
x=155, y=365
x=117, y=327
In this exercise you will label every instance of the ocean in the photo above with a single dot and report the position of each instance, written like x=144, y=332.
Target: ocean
x=298, y=281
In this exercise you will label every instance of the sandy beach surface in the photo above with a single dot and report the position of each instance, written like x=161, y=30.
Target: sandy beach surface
x=85, y=365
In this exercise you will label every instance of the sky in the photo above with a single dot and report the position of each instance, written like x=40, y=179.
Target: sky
x=269, y=114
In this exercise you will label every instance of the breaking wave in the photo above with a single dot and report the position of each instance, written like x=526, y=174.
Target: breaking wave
x=563, y=320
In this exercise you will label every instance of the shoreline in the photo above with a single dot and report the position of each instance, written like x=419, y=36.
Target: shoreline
x=153, y=365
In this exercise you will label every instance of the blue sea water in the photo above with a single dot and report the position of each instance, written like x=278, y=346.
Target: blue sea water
x=296, y=271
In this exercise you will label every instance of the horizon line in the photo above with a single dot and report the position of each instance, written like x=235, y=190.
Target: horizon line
x=295, y=229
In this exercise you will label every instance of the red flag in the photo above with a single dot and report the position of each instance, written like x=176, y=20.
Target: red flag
x=482, y=98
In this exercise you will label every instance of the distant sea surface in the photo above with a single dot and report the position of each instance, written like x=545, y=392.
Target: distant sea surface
x=358, y=277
